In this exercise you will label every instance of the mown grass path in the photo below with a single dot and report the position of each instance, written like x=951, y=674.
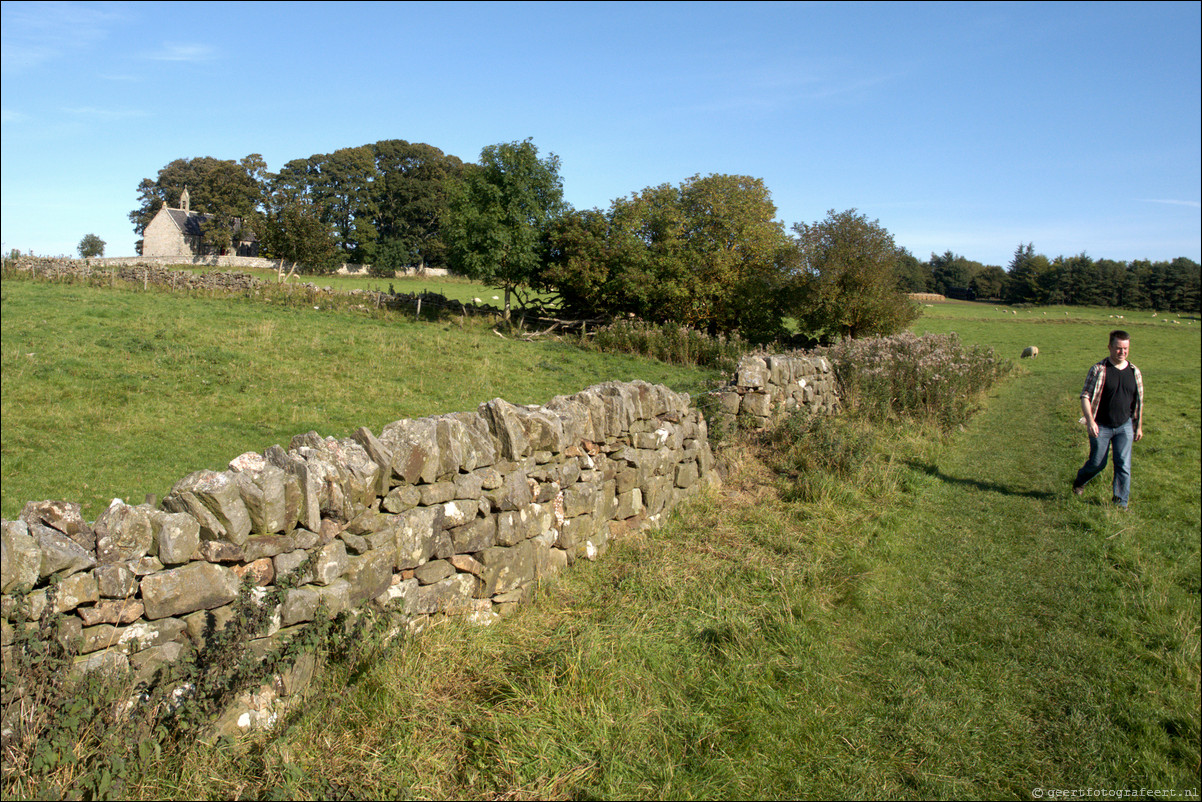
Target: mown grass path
x=1018, y=638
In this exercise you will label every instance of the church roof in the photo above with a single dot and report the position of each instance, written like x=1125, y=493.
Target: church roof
x=189, y=223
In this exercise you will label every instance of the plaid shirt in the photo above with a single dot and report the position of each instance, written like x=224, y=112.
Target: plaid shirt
x=1095, y=380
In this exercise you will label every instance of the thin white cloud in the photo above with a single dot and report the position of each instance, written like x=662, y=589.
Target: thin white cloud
x=38, y=33
x=10, y=116
x=175, y=51
x=104, y=114
x=1191, y=204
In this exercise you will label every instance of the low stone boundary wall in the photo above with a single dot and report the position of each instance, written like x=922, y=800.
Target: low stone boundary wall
x=212, y=261
x=764, y=386
x=457, y=514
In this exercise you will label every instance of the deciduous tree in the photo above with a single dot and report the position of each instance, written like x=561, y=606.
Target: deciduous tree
x=295, y=233
x=91, y=245
x=229, y=191
x=498, y=214
x=707, y=254
x=848, y=280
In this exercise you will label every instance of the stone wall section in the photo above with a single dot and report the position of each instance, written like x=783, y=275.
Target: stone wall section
x=457, y=514
x=765, y=386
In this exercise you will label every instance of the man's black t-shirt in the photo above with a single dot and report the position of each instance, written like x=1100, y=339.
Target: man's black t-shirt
x=1118, y=397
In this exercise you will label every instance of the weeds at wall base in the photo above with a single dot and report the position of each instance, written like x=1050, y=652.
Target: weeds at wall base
x=67, y=734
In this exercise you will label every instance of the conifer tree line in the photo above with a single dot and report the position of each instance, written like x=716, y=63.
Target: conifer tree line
x=1079, y=280
x=708, y=253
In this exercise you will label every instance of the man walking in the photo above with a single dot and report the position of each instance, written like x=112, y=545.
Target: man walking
x=1113, y=404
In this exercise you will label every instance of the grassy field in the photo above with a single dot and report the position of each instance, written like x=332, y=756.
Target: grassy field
x=940, y=620
x=455, y=288
x=119, y=393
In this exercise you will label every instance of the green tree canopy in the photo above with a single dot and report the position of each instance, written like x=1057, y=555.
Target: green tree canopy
x=229, y=191
x=498, y=214
x=91, y=245
x=295, y=233
x=707, y=254
x=848, y=281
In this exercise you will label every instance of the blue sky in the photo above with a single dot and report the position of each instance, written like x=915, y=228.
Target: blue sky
x=963, y=127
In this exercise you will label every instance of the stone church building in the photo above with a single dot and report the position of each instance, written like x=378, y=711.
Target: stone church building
x=179, y=232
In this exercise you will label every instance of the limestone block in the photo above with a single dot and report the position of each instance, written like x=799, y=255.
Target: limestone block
x=257, y=547
x=513, y=494
x=416, y=532
x=300, y=605
x=758, y=404
x=580, y=499
x=401, y=498
x=260, y=571
x=176, y=536
x=780, y=370
x=204, y=622
x=380, y=455
x=134, y=638
x=330, y=563
x=687, y=474
x=123, y=611
x=261, y=487
x=574, y=532
x=476, y=535
x=514, y=526
x=196, y=586
x=75, y=590
x=752, y=372
x=433, y=571
x=219, y=495
x=459, y=512
x=116, y=581
x=369, y=575
x=437, y=493
x=467, y=564
x=219, y=551
x=122, y=533
x=490, y=477
x=399, y=595
x=60, y=554
x=414, y=448
x=297, y=677
x=468, y=486
x=146, y=662
x=63, y=516
x=481, y=448
x=451, y=596
x=146, y=565
x=336, y=597
x=506, y=426
x=630, y=504
x=111, y=661
x=507, y=568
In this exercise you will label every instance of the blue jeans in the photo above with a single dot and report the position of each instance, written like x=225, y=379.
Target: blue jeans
x=1120, y=439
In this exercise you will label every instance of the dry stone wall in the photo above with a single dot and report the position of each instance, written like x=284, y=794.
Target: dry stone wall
x=764, y=386
x=457, y=514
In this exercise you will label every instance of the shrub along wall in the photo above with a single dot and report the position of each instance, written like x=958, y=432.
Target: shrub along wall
x=451, y=515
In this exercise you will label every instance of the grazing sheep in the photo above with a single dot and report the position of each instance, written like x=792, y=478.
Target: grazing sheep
x=1030, y=352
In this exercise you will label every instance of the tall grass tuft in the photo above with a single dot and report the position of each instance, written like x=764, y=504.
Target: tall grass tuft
x=932, y=377
x=676, y=345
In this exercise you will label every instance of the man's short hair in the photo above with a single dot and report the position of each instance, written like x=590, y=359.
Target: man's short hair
x=1119, y=334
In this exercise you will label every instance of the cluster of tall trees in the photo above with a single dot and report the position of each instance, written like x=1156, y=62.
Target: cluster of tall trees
x=707, y=253
x=376, y=204
x=1077, y=280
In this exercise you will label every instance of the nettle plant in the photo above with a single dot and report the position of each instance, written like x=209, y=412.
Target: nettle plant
x=91, y=734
